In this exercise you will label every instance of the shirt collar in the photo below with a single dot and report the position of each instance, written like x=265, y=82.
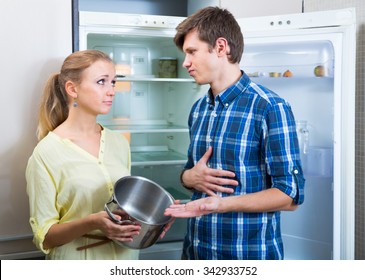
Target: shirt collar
x=227, y=96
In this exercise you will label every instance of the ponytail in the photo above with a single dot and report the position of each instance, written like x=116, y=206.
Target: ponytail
x=53, y=108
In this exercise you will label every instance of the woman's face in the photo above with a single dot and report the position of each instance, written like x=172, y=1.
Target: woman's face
x=96, y=91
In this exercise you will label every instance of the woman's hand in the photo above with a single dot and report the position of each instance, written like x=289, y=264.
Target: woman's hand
x=195, y=208
x=112, y=230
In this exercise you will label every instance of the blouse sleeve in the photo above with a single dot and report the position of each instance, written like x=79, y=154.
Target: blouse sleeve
x=42, y=195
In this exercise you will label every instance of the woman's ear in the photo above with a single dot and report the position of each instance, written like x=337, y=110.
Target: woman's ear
x=71, y=89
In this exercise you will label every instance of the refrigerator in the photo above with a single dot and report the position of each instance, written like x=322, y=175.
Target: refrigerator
x=308, y=58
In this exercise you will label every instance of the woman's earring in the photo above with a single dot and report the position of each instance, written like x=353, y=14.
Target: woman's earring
x=75, y=103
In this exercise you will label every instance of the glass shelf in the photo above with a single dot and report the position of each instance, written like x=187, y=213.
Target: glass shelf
x=149, y=128
x=157, y=158
x=153, y=79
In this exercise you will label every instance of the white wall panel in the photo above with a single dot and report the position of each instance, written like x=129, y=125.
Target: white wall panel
x=35, y=38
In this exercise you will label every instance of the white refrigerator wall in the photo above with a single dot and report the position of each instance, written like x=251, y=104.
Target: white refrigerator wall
x=36, y=37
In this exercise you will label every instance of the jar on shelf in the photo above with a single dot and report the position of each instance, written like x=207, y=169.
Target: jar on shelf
x=167, y=67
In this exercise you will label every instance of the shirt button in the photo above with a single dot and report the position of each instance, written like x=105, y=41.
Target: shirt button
x=296, y=171
x=226, y=105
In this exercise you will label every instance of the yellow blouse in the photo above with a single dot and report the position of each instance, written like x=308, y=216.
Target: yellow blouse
x=64, y=183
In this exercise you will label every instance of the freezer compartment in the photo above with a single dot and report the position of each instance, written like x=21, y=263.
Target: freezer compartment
x=289, y=60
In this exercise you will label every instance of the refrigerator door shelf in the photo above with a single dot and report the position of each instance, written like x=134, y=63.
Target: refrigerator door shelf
x=318, y=162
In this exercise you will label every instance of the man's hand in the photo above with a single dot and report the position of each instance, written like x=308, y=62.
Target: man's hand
x=209, y=180
x=194, y=208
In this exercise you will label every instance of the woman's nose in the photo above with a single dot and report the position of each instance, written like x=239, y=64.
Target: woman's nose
x=111, y=91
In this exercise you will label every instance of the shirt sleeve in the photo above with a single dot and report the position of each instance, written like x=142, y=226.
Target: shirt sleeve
x=282, y=152
x=42, y=200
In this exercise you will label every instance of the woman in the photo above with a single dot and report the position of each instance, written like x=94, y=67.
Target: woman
x=72, y=171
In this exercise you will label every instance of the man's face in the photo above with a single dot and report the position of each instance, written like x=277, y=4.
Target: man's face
x=200, y=60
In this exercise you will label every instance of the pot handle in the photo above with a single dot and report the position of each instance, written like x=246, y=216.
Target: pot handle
x=111, y=215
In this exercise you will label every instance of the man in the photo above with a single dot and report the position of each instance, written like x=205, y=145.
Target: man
x=243, y=160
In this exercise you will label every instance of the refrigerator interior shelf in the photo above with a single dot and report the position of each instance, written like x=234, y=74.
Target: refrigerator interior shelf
x=155, y=155
x=150, y=79
x=148, y=128
x=293, y=78
x=157, y=158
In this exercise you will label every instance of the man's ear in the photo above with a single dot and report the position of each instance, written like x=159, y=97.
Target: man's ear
x=222, y=46
x=71, y=89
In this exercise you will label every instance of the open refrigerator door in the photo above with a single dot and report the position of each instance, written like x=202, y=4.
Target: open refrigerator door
x=309, y=59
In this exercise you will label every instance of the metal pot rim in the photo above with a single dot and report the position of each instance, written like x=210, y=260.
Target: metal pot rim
x=147, y=180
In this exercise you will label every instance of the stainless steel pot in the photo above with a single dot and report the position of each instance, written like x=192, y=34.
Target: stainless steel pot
x=144, y=202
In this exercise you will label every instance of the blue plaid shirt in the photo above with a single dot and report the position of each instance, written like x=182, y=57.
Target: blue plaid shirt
x=252, y=132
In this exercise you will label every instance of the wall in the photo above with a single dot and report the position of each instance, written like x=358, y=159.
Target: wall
x=249, y=8
x=315, y=5
x=194, y=5
x=30, y=51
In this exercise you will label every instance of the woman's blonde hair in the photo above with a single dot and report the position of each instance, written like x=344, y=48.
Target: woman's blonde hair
x=54, y=106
